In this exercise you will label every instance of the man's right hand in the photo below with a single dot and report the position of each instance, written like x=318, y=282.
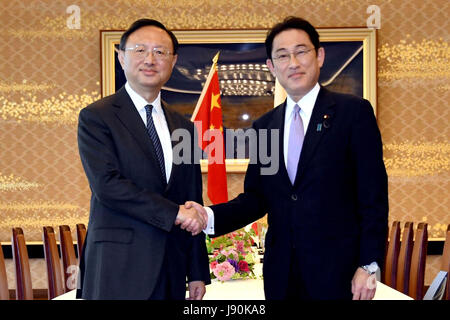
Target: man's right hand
x=191, y=220
x=198, y=207
x=200, y=210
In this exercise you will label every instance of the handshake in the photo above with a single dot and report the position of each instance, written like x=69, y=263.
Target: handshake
x=192, y=217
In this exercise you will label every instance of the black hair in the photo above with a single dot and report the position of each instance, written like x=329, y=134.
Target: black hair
x=292, y=23
x=143, y=23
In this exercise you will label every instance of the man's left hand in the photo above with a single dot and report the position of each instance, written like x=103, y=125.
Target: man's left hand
x=363, y=285
x=196, y=290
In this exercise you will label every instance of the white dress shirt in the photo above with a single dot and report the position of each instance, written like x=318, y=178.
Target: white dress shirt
x=160, y=124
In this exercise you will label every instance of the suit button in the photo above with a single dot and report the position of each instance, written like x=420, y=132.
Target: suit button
x=294, y=197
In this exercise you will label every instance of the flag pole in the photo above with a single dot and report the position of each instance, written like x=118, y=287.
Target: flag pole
x=205, y=87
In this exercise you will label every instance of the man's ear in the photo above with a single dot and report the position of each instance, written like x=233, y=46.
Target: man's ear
x=321, y=56
x=270, y=66
x=121, y=58
x=174, y=62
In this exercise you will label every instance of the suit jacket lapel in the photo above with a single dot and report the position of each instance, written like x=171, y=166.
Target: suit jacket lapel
x=130, y=118
x=172, y=125
x=278, y=123
x=317, y=127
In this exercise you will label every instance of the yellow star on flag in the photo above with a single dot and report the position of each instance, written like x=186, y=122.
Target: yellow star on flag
x=215, y=101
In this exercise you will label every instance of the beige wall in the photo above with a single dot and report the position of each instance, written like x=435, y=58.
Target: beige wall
x=49, y=72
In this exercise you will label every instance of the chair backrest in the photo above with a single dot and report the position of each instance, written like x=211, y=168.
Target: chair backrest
x=24, y=290
x=54, y=275
x=383, y=268
x=4, y=292
x=419, y=256
x=391, y=262
x=81, y=236
x=445, y=264
x=404, y=258
x=70, y=265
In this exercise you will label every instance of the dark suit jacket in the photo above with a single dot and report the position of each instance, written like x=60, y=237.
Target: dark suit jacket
x=131, y=224
x=334, y=218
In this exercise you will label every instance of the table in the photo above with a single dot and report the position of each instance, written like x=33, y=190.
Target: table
x=253, y=289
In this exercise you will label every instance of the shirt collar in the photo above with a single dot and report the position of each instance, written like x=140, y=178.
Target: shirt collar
x=306, y=103
x=140, y=102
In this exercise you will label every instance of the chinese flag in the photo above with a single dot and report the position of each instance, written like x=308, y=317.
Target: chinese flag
x=207, y=117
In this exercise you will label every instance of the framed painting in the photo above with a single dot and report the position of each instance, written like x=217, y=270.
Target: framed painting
x=247, y=86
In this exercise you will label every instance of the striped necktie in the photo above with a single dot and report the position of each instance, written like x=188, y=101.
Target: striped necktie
x=151, y=130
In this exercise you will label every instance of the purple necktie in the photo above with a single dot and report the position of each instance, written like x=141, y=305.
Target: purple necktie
x=296, y=136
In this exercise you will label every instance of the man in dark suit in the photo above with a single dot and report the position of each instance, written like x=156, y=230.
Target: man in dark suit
x=327, y=204
x=134, y=246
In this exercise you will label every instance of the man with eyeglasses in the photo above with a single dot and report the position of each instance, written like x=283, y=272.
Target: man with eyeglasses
x=135, y=248
x=328, y=204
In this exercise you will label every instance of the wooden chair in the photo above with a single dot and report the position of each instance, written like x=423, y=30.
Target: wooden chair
x=54, y=276
x=4, y=292
x=24, y=290
x=418, y=259
x=439, y=286
x=391, y=262
x=81, y=236
x=404, y=258
x=70, y=265
x=445, y=264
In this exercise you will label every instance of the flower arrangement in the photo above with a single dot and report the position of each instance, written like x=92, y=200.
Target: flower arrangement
x=232, y=256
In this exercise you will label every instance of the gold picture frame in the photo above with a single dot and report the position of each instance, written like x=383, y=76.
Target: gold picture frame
x=367, y=37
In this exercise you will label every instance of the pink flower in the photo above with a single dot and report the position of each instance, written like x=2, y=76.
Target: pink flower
x=224, y=271
x=240, y=246
x=213, y=264
x=243, y=266
x=230, y=253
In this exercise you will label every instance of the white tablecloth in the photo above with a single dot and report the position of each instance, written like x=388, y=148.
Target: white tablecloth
x=253, y=289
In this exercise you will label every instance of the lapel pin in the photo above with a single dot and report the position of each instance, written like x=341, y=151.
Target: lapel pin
x=319, y=127
x=326, y=123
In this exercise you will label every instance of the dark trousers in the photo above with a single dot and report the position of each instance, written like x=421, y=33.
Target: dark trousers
x=296, y=287
x=300, y=288
x=165, y=289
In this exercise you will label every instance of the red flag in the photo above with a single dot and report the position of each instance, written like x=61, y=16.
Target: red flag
x=207, y=117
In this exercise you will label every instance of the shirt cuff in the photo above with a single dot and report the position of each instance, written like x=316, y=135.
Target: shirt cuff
x=374, y=268
x=210, y=226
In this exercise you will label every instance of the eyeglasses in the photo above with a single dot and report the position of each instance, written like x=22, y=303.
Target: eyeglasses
x=285, y=56
x=141, y=51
